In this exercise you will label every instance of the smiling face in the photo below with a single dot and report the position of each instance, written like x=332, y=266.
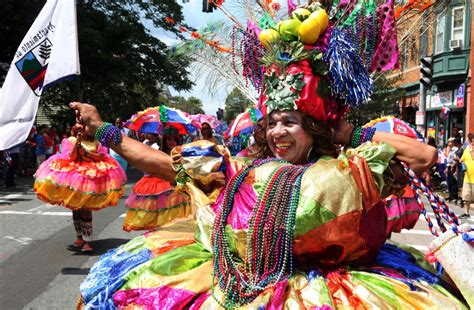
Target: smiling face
x=286, y=137
x=206, y=130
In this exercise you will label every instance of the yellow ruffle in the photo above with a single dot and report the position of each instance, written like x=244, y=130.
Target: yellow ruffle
x=146, y=220
x=63, y=195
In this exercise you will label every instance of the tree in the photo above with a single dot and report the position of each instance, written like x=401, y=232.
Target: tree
x=384, y=101
x=235, y=103
x=121, y=61
x=195, y=106
x=192, y=105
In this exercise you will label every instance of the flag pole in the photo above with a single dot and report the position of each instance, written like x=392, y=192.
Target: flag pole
x=78, y=80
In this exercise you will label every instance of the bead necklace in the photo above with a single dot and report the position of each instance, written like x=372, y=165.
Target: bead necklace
x=271, y=229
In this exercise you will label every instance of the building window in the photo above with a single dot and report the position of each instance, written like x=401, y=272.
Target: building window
x=440, y=29
x=457, y=24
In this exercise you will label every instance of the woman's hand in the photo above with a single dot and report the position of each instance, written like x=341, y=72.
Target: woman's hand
x=87, y=116
x=342, y=132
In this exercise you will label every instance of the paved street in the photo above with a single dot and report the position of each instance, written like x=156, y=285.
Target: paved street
x=38, y=272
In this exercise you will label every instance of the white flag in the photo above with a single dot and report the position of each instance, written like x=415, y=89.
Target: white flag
x=48, y=53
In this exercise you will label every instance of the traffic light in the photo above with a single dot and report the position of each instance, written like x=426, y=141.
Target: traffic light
x=208, y=6
x=426, y=71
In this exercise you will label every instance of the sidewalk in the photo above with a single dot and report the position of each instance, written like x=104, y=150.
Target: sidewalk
x=453, y=206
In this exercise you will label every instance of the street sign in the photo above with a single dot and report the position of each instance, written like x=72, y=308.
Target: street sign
x=460, y=95
x=420, y=118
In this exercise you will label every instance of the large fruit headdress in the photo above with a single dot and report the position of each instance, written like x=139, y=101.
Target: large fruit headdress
x=317, y=58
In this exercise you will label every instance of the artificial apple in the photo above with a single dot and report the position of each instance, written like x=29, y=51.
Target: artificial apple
x=322, y=18
x=309, y=31
x=300, y=13
x=268, y=36
x=289, y=29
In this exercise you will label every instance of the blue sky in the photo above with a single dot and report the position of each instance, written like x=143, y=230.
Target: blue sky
x=194, y=17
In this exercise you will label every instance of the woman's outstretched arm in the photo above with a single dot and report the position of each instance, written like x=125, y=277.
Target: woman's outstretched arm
x=135, y=153
x=417, y=155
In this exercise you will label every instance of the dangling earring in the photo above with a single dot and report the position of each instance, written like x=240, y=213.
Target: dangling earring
x=308, y=156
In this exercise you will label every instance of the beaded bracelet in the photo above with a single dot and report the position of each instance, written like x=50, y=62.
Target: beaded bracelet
x=107, y=133
x=361, y=135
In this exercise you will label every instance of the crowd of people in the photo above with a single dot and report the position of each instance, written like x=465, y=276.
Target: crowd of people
x=453, y=169
x=45, y=141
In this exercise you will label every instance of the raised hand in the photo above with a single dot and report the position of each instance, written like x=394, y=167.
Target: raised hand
x=87, y=116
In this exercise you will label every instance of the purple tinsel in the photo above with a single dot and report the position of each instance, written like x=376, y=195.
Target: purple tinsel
x=350, y=81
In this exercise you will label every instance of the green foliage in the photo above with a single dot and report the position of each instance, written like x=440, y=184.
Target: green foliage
x=192, y=105
x=235, y=103
x=121, y=61
x=384, y=101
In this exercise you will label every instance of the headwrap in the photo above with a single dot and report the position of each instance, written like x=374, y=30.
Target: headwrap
x=319, y=62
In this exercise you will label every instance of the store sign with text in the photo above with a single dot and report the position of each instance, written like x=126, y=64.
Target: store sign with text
x=460, y=95
x=441, y=99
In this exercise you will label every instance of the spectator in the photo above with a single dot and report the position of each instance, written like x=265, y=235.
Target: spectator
x=67, y=132
x=54, y=135
x=450, y=153
x=151, y=139
x=468, y=185
x=119, y=123
x=11, y=158
x=123, y=163
x=47, y=141
x=40, y=146
x=207, y=134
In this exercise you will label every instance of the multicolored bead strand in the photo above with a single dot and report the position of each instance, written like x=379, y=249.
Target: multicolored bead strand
x=361, y=135
x=270, y=230
x=107, y=133
x=437, y=203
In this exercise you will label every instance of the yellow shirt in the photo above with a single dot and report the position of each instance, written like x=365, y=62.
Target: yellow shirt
x=466, y=158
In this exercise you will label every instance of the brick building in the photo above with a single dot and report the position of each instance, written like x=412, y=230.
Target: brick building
x=445, y=34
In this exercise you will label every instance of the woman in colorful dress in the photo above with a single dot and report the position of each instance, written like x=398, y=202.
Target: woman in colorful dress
x=154, y=201
x=301, y=226
x=330, y=253
x=83, y=178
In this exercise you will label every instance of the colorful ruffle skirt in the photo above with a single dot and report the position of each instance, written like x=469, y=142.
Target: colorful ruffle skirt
x=402, y=212
x=153, y=203
x=80, y=184
x=167, y=269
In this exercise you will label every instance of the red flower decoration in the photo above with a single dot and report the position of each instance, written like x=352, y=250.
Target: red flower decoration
x=218, y=2
x=195, y=35
x=275, y=6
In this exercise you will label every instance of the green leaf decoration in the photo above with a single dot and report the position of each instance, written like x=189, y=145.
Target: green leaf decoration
x=282, y=91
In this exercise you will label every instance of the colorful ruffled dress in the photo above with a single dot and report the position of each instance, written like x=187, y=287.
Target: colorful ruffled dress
x=402, y=211
x=152, y=203
x=91, y=185
x=333, y=241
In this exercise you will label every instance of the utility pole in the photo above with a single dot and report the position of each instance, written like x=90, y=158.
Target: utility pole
x=421, y=113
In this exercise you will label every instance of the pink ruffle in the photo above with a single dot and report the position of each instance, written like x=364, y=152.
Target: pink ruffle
x=86, y=177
